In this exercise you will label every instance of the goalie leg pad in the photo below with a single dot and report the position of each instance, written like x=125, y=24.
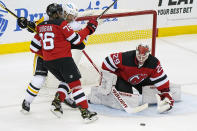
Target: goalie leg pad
x=107, y=81
x=95, y=97
x=148, y=93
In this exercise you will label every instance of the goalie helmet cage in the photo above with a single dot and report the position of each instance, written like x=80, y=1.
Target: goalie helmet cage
x=117, y=25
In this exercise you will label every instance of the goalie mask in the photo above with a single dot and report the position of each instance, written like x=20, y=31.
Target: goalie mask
x=142, y=53
x=70, y=12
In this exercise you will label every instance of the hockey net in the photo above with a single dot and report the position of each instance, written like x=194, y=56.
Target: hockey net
x=122, y=30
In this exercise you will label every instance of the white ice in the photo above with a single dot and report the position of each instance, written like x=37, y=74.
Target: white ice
x=177, y=54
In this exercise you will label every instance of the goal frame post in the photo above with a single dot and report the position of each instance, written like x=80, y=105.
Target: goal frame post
x=132, y=13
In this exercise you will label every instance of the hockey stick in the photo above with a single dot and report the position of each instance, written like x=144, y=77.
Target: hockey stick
x=125, y=106
x=106, y=10
x=97, y=19
x=9, y=11
x=90, y=60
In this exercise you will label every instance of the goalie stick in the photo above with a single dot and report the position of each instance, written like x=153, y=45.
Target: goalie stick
x=125, y=105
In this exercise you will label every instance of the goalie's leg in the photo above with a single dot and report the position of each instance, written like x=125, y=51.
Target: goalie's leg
x=120, y=99
x=149, y=92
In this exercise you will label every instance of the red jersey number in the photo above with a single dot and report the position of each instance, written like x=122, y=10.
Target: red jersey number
x=47, y=39
x=116, y=59
x=159, y=68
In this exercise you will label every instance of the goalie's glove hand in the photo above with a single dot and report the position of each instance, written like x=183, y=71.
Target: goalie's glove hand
x=22, y=22
x=92, y=25
x=164, y=102
x=32, y=25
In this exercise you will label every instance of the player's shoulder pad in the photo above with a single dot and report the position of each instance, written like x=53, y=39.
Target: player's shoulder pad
x=55, y=22
x=128, y=58
x=151, y=62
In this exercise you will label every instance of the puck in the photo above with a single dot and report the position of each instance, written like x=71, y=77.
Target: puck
x=142, y=124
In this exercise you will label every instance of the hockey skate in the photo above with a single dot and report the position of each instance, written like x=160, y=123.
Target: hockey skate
x=25, y=107
x=71, y=103
x=87, y=115
x=56, y=108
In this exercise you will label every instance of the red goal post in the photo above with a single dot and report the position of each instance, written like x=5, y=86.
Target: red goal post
x=118, y=13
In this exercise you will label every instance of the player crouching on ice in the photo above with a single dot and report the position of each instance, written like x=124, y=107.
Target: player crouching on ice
x=125, y=73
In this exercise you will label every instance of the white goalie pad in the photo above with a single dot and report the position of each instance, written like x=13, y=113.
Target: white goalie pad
x=149, y=92
x=107, y=81
x=95, y=97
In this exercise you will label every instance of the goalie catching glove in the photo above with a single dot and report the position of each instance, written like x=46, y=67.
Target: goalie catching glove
x=92, y=25
x=23, y=23
x=164, y=102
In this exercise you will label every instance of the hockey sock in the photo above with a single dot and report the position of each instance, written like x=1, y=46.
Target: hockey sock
x=63, y=90
x=78, y=94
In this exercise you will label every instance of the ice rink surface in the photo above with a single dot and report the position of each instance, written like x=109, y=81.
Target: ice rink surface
x=177, y=54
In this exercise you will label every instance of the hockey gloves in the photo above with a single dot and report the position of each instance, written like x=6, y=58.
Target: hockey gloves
x=164, y=102
x=32, y=25
x=23, y=23
x=92, y=25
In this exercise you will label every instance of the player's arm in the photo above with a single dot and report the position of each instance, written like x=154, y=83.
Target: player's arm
x=36, y=46
x=161, y=82
x=80, y=46
x=109, y=67
x=112, y=62
x=76, y=26
x=77, y=38
x=23, y=23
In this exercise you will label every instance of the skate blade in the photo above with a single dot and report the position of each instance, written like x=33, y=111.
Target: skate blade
x=90, y=120
x=24, y=111
x=56, y=113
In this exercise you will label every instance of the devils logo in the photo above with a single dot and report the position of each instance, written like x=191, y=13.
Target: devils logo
x=136, y=79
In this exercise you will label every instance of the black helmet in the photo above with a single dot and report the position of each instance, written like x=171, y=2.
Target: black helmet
x=54, y=8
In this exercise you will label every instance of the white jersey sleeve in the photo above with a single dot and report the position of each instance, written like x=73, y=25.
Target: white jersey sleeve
x=76, y=26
